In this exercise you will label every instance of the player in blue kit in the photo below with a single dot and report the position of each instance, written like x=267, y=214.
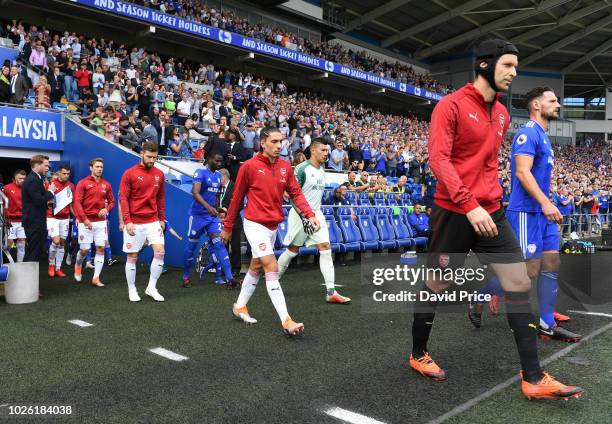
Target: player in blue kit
x=203, y=218
x=531, y=213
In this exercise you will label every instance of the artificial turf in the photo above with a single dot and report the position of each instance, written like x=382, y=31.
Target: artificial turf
x=248, y=374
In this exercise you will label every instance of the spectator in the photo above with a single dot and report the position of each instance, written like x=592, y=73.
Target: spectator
x=97, y=80
x=42, y=93
x=83, y=78
x=355, y=154
x=380, y=158
x=419, y=222
x=183, y=109
x=56, y=81
x=149, y=133
x=38, y=59
x=400, y=187
x=5, y=85
x=352, y=184
x=179, y=144
x=19, y=87
x=338, y=159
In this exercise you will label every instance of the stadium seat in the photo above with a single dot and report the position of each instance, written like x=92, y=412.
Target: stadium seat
x=335, y=235
x=387, y=235
x=391, y=200
x=59, y=107
x=418, y=241
x=281, y=232
x=379, y=198
x=405, y=199
x=369, y=233
x=327, y=196
x=364, y=199
x=350, y=232
x=402, y=233
x=351, y=197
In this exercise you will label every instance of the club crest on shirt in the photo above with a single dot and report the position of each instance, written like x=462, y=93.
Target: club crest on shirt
x=262, y=246
x=283, y=172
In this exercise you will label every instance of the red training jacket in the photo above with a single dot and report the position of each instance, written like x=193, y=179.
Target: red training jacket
x=13, y=192
x=64, y=213
x=142, y=195
x=464, y=142
x=263, y=183
x=91, y=197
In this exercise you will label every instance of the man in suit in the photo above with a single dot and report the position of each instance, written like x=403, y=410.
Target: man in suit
x=224, y=109
x=237, y=153
x=35, y=199
x=226, y=193
x=19, y=87
x=160, y=124
x=148, y=132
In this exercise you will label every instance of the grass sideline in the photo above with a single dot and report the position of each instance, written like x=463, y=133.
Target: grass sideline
x=593, y=407
x=238, y=373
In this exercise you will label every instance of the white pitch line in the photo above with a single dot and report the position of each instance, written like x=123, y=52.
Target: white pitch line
x=335, y=285
x=168, y=354
x=350, y=417
x=472, y=402
x=3, y=405
x=597, y=314
x=80, y=323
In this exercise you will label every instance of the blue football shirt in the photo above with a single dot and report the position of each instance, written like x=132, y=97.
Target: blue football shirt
x=531, y=140
x=209, y=189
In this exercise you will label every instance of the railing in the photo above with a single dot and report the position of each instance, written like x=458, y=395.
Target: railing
x=585, y=225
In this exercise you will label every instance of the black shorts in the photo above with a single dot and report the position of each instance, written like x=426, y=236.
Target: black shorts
x=452, y=237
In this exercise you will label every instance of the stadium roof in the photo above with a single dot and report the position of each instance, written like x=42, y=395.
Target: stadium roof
x=573, y=37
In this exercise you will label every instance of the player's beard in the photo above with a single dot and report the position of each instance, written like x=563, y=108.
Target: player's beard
x=551, y=116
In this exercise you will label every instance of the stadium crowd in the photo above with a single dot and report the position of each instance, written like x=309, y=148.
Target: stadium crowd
x=130, y=95
x=201, y=12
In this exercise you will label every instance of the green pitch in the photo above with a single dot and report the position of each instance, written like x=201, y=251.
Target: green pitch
x=254, y=374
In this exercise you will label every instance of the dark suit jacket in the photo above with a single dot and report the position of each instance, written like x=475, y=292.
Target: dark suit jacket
x=241, y=154
x=227, y=198
x=34, y=200
x=223, y=111
x=21, y=88
x=217, y=145
x=157, y=125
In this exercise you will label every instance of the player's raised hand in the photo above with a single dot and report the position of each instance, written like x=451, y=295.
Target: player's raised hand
x=130, y=229
x=482, y=222
x=226, y=237
x=551, y=212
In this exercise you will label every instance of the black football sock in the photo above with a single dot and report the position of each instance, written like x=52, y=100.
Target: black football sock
x=525, y=329
x=424, y=314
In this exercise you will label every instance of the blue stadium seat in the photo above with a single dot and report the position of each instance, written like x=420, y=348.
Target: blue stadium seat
x=363, y=199
x=379, y=198
x=350, y=196
x=402, y=233
x=418, y=241
x=405, y=199
x=350, y=232
x=369, y=233
x=59, y=106
x=391, y=200
x=331, y=186
x=327, y=196
x=281, y=232
x=387, y=235
x=335, y=235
